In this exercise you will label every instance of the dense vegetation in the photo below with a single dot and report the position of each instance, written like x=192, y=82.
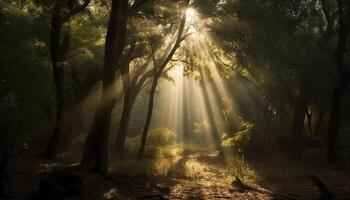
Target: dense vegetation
x=117, y=86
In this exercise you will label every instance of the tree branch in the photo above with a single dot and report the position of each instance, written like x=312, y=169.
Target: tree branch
x=136, y=5
x=76, y=10
x=330, y=18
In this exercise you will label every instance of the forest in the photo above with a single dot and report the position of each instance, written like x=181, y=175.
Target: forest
x=174, y=99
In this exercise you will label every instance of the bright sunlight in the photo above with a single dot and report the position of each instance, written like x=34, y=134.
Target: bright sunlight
x=191, y=14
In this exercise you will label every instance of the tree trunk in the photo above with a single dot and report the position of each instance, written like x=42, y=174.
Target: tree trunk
x=96, y=145
x=270, y=124
x=319, y=122
x=148, y=119
x=334, y=120
x=124, y=122
x=309, y=121
x=298, y=120
x=344, y=77
x=281, y=122
x=97, y=140
x=213, y=127
x=3, y=162
x=186, y=121
x=58, y=51
x=58, y=72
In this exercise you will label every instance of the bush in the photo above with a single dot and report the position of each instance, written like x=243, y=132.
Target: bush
x=239, y=143
x=158, y=140
x=236, y=147
x=161, y=136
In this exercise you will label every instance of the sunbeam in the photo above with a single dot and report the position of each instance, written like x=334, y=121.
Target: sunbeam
x=191, y=14
x=198, y=103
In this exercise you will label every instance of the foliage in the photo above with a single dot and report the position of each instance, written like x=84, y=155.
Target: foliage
x=159, y=161
x=25, y=71
x=161, y=136
x=160, y=142
x=240, y=142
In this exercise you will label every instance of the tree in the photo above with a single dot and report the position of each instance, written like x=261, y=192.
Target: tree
x=343, y=78
x=95, y=149
x=58, y=50
x=276, y=43
x=96, y=144
x=134, y=82
x=158, y=70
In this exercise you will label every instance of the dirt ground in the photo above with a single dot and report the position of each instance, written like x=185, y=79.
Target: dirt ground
x=209, y=180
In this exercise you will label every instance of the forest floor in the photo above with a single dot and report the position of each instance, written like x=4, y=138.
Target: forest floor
x=195, y=175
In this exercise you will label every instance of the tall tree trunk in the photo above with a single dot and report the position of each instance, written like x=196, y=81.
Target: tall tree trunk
x=58, y=52
x=148, y=119
x=213, y=127
x=309, y=121
x=281, y=121
x=319, y=122
x=96, y=145
x=158, y=70
x=344, y=77
x=186, y=122
x=333, y=128
x=298, y=120
x=58, y=72
x=124, y=122
x=270, y=124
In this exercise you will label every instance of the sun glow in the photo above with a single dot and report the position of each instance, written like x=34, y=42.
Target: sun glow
x=199, y=106
x=191, y=14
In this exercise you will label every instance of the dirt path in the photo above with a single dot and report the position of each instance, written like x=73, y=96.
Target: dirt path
x=203, y=175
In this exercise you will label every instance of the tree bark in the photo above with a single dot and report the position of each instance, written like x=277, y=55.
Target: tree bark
x=319, y=122
x=96, y=145
x=95, y=151
x=344, y=77
x=309, y=120
x=333, y=128
x=58, y=52
x=122, y=133
x=281, y=112
x=58, y=72
x=270, y=124
x=148, y=119
x=186, y=122
x=298, y=120
x=213, y=127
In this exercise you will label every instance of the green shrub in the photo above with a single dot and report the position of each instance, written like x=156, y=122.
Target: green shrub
x=157, y=140
x=239, y=143
x=161, y=136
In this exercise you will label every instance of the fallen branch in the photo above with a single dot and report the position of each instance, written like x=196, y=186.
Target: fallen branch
x=242, y=187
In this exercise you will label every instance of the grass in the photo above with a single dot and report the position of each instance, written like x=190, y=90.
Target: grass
x=158, y=161
x=161, y=160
